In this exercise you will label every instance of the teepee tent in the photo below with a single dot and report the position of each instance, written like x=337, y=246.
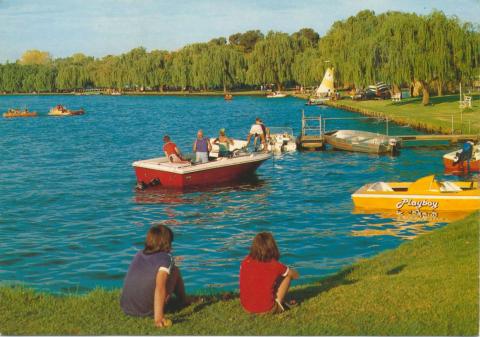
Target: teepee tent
x=326, y=87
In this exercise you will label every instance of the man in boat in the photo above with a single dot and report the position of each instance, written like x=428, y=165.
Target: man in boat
x=223, y=143
x=258, y=130
x=201, y=147
x=172, y=152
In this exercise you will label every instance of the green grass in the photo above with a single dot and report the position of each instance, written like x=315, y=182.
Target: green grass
x=435, y=117
x=428, y=286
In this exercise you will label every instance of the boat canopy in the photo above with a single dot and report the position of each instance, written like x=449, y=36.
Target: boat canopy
x=326, y=87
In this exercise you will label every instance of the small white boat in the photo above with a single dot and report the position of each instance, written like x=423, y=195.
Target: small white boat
x=276, y=94
x=361, y=141
x=282, y=140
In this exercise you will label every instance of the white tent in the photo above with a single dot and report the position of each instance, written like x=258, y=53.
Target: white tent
x=326, y=87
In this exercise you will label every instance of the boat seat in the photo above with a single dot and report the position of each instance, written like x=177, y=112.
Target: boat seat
x=448, y=186
x=380, y=187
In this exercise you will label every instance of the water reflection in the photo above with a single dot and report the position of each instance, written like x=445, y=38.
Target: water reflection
x=162, y=195
x=402, y=224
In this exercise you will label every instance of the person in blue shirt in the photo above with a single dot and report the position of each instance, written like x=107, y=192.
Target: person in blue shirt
x=153, y=278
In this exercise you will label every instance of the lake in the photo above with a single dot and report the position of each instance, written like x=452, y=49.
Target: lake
x=71, y=218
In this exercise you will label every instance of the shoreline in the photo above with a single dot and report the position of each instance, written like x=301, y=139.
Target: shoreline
x=427, y=286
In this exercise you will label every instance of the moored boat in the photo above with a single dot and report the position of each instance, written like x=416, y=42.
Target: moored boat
x=12, y=113
x=282, y=140
x=317, y=100
x=276, y=94
x=463, y=161
x=60, y=110
x=228, y=97
x=361, y=141
x=425, y=194
x=160, y=171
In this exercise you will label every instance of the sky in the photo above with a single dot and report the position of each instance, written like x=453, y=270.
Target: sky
x=103, y=27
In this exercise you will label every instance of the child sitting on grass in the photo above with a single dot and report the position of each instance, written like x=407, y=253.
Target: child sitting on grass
x=152, y=278
x=264, y=281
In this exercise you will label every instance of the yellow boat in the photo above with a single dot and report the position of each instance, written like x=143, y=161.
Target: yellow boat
x=12, y=113
x=425, y=194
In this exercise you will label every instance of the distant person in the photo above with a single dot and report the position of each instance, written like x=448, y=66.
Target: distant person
x=172, y=152
x=152, y=278
x=258, y=130
x=201, y=147
x=264, y=281
x=223, y=143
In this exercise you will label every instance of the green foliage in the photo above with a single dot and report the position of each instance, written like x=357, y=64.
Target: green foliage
x=428, y=286
x=271, y=60
x=395, y=47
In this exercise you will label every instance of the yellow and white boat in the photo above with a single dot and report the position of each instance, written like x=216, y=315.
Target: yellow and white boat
x=426, y=194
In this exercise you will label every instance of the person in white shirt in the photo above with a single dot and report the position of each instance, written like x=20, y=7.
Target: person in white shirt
x=258, y=130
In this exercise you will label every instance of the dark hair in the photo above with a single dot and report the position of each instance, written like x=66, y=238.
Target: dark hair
x=166, y=138
x=159, y=239
x=264, y=248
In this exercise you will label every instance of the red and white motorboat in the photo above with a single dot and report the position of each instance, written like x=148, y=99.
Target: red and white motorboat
x=454, y=165
x=160, y=171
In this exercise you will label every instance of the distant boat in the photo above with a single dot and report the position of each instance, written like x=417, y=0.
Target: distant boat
x=116, y=93
x=12, y=113
x=276, y=94
x=228, y=97
x=317, y=101
x=60, y=110
x=361, y=141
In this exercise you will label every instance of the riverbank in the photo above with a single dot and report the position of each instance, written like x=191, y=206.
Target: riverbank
x=428, y=286
x=153, y=93
x=435, y=118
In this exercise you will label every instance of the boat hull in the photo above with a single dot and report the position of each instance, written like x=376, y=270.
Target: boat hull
x=199, y=177
x=416, y=202
x=367, y=143
x=462, y=167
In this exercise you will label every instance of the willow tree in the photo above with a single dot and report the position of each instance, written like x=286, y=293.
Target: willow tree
x=308, y=67
x=35, y=56
x=271, y=60
x=350, y=47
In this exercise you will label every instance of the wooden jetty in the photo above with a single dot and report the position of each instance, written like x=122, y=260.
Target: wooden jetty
x=314, y=129
x=311, y=137
x=451, y=138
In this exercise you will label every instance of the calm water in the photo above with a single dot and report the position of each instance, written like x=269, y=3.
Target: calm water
x=71, y=219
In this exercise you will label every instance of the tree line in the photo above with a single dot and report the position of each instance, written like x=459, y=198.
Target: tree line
x=395, y=47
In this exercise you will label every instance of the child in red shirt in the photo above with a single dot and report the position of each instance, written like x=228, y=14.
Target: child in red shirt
x=264, y=281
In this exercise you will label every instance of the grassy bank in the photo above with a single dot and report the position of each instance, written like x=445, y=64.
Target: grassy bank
x=428, y=286
x=436, y=117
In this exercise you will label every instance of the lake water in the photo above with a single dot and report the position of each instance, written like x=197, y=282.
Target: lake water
x=71, y=219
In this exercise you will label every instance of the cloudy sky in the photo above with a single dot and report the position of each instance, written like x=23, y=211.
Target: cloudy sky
x=103, y=27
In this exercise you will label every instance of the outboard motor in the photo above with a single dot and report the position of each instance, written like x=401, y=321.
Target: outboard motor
x=394, y=146
x=465, y=154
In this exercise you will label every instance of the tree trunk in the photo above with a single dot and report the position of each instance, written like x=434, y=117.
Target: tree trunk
x=396, y=89
x=425, y=93
x=224, y=88
x=279, y=87
x=439, y=88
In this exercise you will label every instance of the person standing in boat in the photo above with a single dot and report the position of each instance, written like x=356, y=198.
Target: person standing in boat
x=153, y=278
x=201, y=147
x=258, y=130
x=172, y=152
x=223, y=143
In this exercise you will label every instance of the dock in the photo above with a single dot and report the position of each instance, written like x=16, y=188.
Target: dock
x=311, y=137
x=450, y=138
x=314, y=128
